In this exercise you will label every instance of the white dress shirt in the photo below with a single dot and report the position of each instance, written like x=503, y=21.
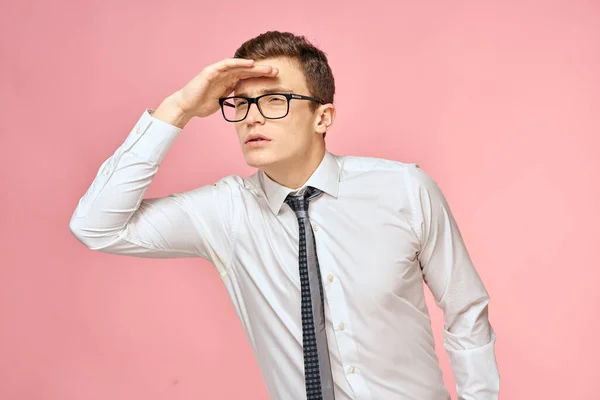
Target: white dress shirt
x=382, y=228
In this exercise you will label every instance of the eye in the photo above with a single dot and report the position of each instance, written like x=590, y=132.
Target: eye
x=276, y=99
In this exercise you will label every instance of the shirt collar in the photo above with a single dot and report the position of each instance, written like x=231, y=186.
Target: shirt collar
x=326, y=178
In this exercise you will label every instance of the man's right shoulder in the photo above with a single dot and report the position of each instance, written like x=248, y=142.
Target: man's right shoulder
x=238, y=184
x=223, y=190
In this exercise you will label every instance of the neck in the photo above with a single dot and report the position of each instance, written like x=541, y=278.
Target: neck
x=295, y=173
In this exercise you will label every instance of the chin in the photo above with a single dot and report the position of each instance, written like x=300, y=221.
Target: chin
x=260, y=159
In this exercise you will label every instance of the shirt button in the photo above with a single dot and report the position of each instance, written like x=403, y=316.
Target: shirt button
x=341, y=326
x=330, y=278
x=351, y=370
x=107, y=171
x=137, y=130
x=315, y=227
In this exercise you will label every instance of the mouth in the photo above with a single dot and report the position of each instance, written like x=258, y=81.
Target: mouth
x=255, y=139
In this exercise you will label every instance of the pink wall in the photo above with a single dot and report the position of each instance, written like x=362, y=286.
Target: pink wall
x=499, y=102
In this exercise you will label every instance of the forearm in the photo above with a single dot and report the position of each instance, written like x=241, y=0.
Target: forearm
x=121, y=183
x=476, y=372
x=469, y=342
x=170, y=112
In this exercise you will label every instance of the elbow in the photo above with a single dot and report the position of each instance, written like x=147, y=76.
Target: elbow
x=77, y=228
x=90, y=237
x=469, y=327
x=96, y=238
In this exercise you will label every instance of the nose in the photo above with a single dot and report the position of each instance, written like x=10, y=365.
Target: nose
x=254, y=115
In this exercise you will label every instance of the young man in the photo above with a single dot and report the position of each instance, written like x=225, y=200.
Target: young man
x=323, y=256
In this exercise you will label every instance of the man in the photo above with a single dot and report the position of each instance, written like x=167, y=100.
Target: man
x=323, y=256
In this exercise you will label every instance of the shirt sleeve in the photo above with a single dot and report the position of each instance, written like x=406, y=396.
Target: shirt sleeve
x=457, y=288
x=113, y=216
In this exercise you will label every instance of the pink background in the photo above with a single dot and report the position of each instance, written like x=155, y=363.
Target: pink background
x=498, y=101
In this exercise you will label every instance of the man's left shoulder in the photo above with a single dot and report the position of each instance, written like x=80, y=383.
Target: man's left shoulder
x=359, y=164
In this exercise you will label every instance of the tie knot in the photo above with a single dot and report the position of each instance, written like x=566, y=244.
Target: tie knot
x=299, y=202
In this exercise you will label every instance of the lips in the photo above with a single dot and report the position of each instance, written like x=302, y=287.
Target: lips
x=256, y=138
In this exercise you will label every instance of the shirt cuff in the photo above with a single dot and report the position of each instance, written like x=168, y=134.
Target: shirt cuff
x=475, y=371
x=151, y=138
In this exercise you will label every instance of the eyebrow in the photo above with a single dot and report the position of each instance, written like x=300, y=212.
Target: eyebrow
x=277, y=89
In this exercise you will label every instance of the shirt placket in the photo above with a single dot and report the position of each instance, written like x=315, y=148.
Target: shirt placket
x=342, y=326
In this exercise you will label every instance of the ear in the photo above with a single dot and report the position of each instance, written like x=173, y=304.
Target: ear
x=325, y=115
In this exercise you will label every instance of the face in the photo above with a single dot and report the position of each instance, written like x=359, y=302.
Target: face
x=292, y=139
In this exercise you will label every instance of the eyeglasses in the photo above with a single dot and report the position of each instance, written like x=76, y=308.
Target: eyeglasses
x=271, y=106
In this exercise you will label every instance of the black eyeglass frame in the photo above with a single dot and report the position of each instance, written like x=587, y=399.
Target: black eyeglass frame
x=254, y=100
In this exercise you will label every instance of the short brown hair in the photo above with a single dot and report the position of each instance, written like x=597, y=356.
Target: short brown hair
x=312, y=60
